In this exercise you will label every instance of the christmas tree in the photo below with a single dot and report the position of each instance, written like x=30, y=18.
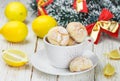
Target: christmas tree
x=64, y=13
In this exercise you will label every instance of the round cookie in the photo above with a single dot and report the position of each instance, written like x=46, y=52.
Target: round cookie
x=77, y=31
x=71, y=42
x=58, y=36
x=80, y=64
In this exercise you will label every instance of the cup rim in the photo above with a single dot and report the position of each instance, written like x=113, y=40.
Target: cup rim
x=44, y=40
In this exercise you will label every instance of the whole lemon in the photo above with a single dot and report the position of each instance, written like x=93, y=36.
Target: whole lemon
x=42, y=24
x=14, y=31
x=16, y=11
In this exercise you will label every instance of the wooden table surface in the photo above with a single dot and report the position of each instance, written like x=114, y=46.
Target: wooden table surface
x=32, y=44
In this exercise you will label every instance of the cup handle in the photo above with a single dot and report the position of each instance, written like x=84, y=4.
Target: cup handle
x=89, y=40
x=88, y=43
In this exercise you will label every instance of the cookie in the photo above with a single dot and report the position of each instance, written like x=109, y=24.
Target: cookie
x=58, y=36
x=77, y=31
x=71, y=42
x=80, y=64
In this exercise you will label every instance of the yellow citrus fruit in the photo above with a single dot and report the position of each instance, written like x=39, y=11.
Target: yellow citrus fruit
x=16, y=11
x=42, y=24
x=14, y=31
x=15, y=57
x=114, y=55
x=109, y=70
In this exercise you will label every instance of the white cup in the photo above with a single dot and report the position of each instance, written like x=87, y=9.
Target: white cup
x=60, y=56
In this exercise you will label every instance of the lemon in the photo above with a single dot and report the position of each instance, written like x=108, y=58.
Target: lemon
x=42, y=24
x=14, y=31
x=14, y=57
x=16, y=11
x=114, y=55
x=109, y=70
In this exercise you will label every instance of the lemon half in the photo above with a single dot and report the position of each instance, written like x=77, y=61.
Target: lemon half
x=15, y=57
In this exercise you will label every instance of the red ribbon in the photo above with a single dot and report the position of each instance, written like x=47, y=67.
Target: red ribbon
x=84, y=8
x=41, y=9
x=105, y=16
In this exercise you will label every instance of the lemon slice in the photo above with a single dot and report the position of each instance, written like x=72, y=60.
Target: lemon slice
x=15, y=57
x=114, y=55
x=109, y=70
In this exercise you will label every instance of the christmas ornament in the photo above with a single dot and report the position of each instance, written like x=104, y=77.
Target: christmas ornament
x=103, y=25
x=63, y=11
x=41, y=4
x=80, y=6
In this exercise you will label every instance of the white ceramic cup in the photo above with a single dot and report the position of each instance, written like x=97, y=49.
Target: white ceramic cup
x=60, y=56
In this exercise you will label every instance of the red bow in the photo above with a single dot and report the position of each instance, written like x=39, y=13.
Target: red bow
x=41, y=5
x=80, y=6
x=104, y=16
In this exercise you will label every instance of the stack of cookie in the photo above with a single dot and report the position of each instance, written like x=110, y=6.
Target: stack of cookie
x=74, y=33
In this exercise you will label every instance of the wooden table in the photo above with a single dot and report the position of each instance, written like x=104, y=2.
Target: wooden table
x=32, y=44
